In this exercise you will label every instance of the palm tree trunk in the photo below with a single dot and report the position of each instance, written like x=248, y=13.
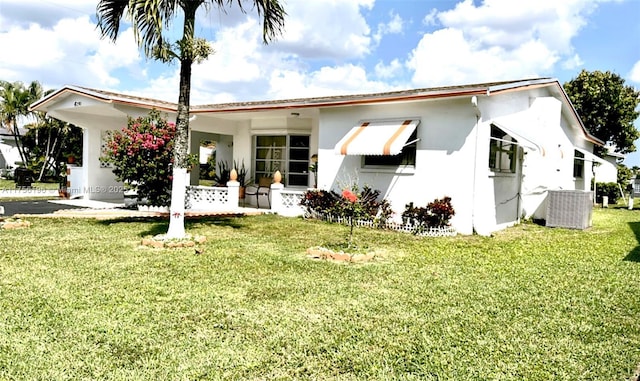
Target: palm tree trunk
x=181, y=139
x=48, y=154
x=17, y=137
x=180, y=153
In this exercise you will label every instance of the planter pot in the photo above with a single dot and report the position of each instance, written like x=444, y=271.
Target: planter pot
x=241, y=192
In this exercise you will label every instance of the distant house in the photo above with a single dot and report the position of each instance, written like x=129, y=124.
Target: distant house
x=9, y=154
x=495, y=148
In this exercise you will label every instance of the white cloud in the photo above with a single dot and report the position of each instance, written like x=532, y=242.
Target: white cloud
x=333, y=29
x=431, y=18
x=394, y=26
x=237, y=55
x=327, y=48
x=71, y=50
x=499, y=39
x=46, y=13
x=465, y=62
x=388, y=71
x=634, y=76
x=573, y=62
x=327, y=81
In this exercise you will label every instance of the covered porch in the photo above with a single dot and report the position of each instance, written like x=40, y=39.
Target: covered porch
x=266, y=141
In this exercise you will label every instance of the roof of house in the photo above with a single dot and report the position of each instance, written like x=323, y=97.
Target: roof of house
x=326, y=101
x=433, y=92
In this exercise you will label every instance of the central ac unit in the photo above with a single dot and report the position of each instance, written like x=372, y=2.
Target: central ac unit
x=569, y=209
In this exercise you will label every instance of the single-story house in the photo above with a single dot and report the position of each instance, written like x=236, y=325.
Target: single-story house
x=495, y=148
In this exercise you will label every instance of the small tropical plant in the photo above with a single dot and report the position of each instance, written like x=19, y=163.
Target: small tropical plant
x=223, y=173
x=142, y=156
x=243, y=177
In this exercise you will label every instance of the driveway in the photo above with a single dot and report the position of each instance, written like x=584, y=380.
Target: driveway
x=32, y=207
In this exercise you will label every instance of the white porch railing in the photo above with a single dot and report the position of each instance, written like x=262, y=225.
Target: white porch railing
x=201, y=198
x=285, y=202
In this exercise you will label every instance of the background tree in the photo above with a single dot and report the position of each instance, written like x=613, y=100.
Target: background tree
x=50, y=141
x=624, y=175
x=607, y=107
x=151, y=20
x=15, y=99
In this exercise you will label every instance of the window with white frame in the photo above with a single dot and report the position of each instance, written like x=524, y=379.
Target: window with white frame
x=578, y=165
x=502, y=151
x=405, y=158
x=288, y=154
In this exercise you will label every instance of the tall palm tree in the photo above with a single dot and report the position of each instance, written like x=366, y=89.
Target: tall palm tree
x=15, y=99
x=149, y=19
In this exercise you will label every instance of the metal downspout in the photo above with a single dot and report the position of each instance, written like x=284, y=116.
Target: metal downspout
x=474, y=103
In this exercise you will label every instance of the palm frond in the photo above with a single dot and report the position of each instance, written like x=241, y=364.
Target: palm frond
x=109, y=14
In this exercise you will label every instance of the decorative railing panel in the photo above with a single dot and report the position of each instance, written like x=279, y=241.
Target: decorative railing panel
x=207, y=198
x=291, y=203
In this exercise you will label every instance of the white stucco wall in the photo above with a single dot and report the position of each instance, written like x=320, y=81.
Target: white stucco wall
x=541, y=171
x=452, y=157
x=9, y=156
x=444, y=159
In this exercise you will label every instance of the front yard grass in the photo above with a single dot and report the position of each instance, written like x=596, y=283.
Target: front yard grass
x=84, y=300
x=11, y=185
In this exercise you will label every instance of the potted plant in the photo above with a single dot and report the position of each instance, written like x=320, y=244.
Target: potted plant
x=223, y=174
x=242, y=177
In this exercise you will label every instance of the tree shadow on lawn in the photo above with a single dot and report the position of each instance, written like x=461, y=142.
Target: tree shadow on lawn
x=160, y=226
x=634, y=255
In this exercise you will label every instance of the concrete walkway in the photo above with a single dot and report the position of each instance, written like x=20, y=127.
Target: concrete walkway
x=81, y=208
x=108, y=210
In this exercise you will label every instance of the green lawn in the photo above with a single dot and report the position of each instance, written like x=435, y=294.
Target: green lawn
x=11, y=184
x=82, y=300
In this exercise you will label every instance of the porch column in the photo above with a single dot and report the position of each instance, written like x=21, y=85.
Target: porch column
x=276, y=198
x=233, y=187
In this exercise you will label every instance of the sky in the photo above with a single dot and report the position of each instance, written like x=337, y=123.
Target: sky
x=331, y=47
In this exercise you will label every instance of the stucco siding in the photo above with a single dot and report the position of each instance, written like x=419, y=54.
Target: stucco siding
x=444, y=159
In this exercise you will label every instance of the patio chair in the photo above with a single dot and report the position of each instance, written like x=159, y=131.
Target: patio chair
x=263, y=188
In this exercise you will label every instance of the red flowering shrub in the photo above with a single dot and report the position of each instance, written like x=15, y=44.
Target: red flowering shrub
x=436, y=214
x=329, y=202
x=350, y=204
x=142, y=156
x=349, y=196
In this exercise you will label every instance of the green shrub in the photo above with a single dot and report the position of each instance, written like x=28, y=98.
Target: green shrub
x=610, y=190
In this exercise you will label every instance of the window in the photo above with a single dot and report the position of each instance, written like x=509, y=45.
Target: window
x=578, y=165
x=288, y=154
x=502, y=151
x=405, y=158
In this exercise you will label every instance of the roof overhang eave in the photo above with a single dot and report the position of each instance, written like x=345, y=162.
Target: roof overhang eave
x=342, y=101
x=67, y=90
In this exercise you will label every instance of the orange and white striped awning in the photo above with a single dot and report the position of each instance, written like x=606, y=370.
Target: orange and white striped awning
x=378, y=137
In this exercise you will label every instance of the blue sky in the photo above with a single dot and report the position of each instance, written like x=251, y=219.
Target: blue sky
x=332, y=47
